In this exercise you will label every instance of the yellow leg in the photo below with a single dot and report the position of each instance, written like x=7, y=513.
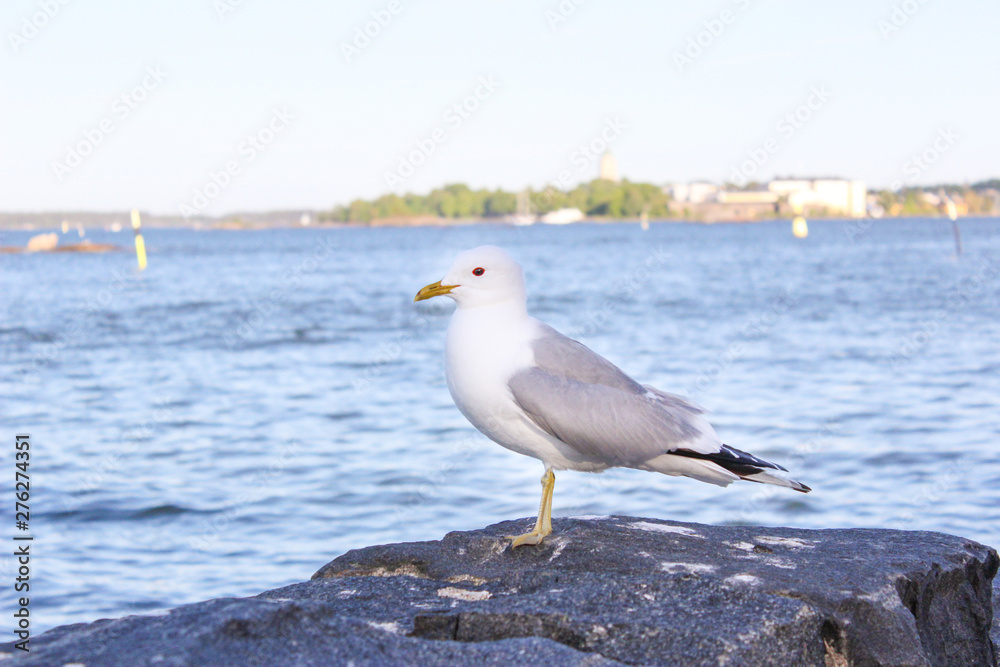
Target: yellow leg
x=543, y=526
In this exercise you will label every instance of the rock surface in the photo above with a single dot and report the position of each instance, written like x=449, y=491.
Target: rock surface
x=614, y=590
x=996, y=617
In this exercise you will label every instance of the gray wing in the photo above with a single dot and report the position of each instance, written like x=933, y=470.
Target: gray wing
x=587, y=402
x=561, y=355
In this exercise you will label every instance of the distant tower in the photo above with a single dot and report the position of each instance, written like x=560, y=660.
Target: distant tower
x=609, y=167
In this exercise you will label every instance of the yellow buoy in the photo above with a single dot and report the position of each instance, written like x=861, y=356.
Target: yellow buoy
x=140, y=245
x=953, y=214
x=951, y=208
x=799, y=227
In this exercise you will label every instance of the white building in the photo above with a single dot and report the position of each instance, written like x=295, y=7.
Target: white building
x=609, y=168
x=747, y=197
x=834, y=195
x=698, y=192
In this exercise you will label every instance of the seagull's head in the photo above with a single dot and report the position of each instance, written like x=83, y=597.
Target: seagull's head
x=480, y=277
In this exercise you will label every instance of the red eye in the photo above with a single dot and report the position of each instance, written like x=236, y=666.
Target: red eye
x=478, y=271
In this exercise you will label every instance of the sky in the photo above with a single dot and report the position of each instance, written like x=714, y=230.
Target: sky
x=216, y=106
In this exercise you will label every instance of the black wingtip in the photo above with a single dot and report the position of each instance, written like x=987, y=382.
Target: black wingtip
x=734, y=460
x=744, y=465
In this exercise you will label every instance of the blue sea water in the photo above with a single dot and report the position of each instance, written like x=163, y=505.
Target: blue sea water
x=258, y=402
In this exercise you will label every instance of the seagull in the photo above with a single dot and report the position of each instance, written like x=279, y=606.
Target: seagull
x=539, y=393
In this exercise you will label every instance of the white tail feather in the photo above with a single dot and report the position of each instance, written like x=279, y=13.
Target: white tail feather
x=707, y=471
x=778, y=478
x=703, y=471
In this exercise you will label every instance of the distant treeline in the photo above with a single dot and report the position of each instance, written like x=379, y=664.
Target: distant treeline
x=607, y=199
x=981, y=198
x=599, y=198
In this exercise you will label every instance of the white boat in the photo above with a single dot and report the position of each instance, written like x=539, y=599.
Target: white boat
x=562, y=216
x=521, y=220
x=523, y=217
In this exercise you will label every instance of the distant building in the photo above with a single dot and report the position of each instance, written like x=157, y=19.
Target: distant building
x=609, y=167
x=698, y=192
x=747, y=197
x=825, y=195
x=928, y=198
x=822, y=196
x=709, y=203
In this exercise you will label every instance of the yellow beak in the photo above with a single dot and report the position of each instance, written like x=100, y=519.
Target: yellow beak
x=432, y=290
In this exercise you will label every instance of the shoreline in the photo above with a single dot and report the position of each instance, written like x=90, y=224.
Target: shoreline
x=230, y=225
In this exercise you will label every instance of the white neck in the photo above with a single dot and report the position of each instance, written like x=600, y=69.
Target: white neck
x=514, y=308
x=492, y=335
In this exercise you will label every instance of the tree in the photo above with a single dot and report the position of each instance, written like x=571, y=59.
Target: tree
x=499, y=203
x=457, y=200
x=360, y=211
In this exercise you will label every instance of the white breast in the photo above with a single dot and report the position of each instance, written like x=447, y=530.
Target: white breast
x=485, y=346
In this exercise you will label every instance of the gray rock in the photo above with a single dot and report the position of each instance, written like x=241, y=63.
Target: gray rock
x=597, y=592
x=995, y=634
x=315, y=623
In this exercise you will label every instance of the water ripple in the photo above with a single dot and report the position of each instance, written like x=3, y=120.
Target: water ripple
x=231, y=429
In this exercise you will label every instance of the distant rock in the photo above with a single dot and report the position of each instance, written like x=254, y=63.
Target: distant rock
x=86, y=246
x=615, y=590
x=42, y=242
x=50, y=243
